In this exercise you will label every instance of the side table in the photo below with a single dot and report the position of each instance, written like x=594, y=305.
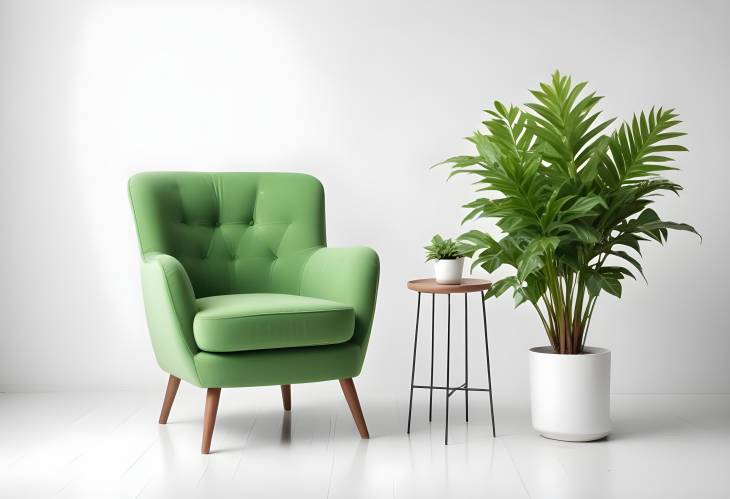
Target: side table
x=467, y=286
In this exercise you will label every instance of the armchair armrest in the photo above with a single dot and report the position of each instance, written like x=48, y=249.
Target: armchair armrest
x=169, y=302
x=349, y=276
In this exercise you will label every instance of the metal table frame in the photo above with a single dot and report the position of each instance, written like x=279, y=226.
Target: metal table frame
x=450, y=390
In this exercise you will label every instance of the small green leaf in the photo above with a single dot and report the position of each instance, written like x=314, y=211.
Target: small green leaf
x=586, y=204
x=520, y=296
x=583, y=233
x=612, y=286
x=498, y=288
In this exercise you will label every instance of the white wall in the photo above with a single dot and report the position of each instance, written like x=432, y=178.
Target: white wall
x=365, y=96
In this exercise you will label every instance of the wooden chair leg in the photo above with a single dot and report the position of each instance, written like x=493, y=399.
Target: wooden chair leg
x=172, y=384
x=211, y=409
x=286, y=396
x=348, y=388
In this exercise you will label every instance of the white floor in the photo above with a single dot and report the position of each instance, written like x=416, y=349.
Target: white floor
x=109, y=444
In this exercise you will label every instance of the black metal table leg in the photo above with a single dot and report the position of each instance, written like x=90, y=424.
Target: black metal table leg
x=466, y=358
x=489, y=372
x=413, y=369
x=433, y=327
x=469, y=286
x=448, y=367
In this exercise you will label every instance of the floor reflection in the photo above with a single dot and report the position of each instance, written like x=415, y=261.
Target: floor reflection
x=286, y=428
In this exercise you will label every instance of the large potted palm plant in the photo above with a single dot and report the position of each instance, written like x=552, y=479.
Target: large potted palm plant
x=572, y=195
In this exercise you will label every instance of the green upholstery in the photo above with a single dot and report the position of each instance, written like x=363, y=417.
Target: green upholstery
x=279, y=366
x=258, y=321
x=239, y=288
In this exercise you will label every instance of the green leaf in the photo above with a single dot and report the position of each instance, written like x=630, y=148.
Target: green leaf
x=520, y=296
x=487, y=151
x=586, y=204
x=479, y=238
x=634, y=144
x=498, y=288
x=460, y=161
x=488, y=260
x=594, y=283
x=583, y=233
x=616, y=272
x=512, y=224
x=631, y=260
x=612, y=286
x=626, y=239
x=535, y=288
x=659, y=225
x=529, y=265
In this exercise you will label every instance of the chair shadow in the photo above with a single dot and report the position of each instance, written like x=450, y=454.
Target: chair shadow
x=234, y=423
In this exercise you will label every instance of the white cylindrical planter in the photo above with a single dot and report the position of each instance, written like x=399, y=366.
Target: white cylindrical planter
x=449, y=271
x=570, y=393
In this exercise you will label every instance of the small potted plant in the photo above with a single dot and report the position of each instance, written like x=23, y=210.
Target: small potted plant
x=449, y=259
x=574, y=204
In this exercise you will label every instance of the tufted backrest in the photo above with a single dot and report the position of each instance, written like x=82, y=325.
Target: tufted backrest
x=232, y=232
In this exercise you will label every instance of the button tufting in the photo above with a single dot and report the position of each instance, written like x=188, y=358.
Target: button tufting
x=250, y=223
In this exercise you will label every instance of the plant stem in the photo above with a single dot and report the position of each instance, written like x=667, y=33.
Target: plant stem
x=578, y=314
x=550, y=335
x=588, y=320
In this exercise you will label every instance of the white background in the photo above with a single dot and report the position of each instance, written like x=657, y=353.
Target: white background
x=365, y=96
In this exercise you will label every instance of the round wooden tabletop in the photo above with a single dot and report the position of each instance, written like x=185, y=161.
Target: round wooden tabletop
x=467, y=285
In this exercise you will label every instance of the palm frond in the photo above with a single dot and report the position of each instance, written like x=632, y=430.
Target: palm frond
x=571, y=199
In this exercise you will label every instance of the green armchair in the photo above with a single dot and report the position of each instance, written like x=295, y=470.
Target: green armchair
x=240, y=289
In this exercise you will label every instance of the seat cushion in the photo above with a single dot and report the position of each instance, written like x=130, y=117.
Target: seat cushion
x=259, y=321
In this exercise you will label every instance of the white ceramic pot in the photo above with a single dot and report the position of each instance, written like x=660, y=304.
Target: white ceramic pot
x=449, y=271
x=570, y=394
